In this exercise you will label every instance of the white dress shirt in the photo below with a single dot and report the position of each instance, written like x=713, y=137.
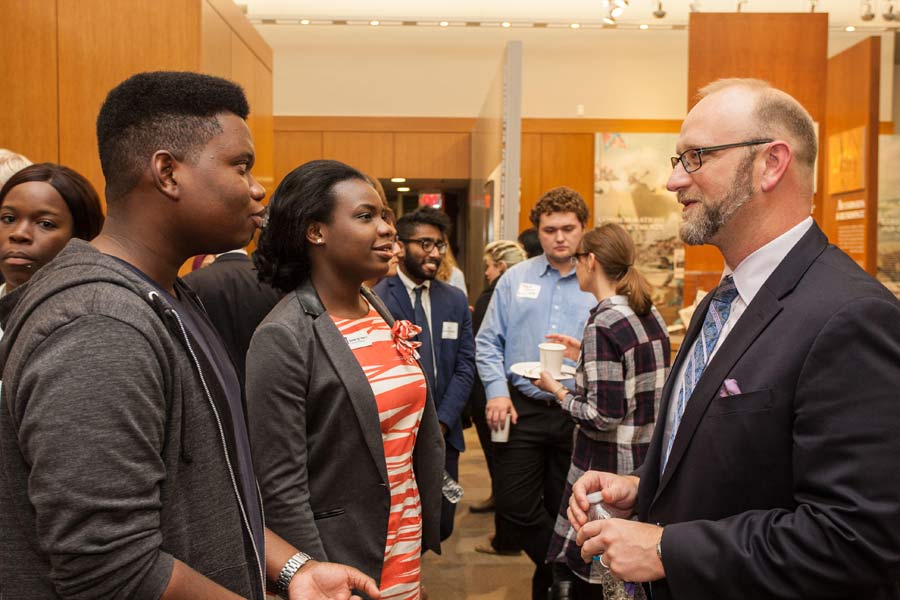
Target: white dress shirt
x=749, y=276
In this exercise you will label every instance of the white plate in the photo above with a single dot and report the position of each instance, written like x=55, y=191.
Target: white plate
x=532, y=370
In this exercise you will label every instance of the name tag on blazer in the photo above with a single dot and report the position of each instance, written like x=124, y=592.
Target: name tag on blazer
x=450, y=330
x=528, y=290
x=360, y=339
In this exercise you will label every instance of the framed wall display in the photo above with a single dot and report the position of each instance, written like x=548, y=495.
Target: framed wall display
x=630, y=174
x=846, y=161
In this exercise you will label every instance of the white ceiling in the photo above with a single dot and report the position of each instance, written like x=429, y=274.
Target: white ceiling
x=841, y=12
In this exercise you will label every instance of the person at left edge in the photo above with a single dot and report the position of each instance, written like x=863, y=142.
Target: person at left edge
x=348, y=447
x=125, y=468
x=448, y=344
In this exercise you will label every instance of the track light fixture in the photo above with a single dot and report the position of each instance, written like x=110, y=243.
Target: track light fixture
x=659, y=13
x=694, y=6
x=866, y=13
x=740, y=5
x=889, y=15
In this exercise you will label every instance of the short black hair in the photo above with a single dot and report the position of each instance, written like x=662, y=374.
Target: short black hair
x=425, y=215
x=304, y=196
x=161, y=110
x=76, y=191
x=531, y=242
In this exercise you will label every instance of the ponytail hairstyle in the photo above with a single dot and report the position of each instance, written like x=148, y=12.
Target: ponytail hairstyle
x=613, y=248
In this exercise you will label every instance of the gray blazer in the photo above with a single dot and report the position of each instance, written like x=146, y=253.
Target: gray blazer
x=317, y=446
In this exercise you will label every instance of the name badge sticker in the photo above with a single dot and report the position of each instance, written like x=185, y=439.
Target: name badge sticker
x=450, y=330
x=360, y=339
x=528, y=290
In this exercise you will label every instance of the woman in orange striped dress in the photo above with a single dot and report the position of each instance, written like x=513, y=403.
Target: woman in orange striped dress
x=346, y=440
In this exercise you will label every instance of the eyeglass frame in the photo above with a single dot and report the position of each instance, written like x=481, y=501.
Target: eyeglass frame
x=578, y=255
x=700, y=151
x=428, y=244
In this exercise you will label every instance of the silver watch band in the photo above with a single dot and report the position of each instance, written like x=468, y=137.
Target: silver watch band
x=288, y=571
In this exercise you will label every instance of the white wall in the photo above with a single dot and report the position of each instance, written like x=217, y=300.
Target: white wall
x=445, y=72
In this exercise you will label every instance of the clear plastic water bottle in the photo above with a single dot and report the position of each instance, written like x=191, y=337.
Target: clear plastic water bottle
x=451, y=489
x=613, y=588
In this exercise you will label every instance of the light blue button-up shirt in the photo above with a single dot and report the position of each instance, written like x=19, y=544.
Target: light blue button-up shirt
x=530, y=301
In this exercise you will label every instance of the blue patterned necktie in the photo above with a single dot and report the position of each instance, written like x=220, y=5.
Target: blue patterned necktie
x=426, y=351
x=716, y=315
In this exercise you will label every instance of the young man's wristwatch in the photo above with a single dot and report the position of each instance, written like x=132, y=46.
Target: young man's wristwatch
x=288, y=571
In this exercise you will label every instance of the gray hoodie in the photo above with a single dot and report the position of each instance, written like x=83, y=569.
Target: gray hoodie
x=115, y=452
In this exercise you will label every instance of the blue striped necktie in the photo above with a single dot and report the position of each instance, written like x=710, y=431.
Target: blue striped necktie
x=716, y=315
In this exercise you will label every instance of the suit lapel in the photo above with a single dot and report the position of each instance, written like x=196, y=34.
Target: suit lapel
x=654, y=453
x=401, y=298
x=436, y=318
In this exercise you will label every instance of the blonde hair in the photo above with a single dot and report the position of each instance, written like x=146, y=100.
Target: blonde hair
x=777, y=114
x=506, y=251
x=10, y=164
x=448, y=261
x=613, y=248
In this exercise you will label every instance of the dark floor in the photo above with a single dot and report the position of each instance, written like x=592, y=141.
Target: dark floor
x=460, y=573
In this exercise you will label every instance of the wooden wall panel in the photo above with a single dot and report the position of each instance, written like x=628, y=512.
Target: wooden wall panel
x=216, y=43
x=788, y=50
x=371, y=153
x=99, y=47
x=568, y=159
x=530, y=187
x=432, y=155
x=293, y=148
x=853, y=103
x=28, y=120
x=264, y=133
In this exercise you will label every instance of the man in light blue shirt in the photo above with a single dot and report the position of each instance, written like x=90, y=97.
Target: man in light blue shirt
x=533, y=299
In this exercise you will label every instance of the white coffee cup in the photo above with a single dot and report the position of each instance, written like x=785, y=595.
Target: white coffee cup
x=552, y=357
x=502, y=435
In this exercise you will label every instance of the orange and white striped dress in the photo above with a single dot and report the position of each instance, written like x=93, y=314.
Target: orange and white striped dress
x=399, y=387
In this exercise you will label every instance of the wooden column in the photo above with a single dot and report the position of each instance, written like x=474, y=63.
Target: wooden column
x=788, y=50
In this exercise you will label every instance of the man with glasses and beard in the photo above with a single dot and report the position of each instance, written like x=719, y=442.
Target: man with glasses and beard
x=772, y=470
x=447, y=353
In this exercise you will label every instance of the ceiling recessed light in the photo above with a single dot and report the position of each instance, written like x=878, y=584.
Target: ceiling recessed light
x=505, y=24
x=645, y=26
x=850, y=28
x=444, y=23
x=575, y=25
x=398, y=179
x=375, y=23
x=304, y=21
x=403, y=189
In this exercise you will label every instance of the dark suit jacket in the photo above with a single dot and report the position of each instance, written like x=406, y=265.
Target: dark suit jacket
x=455, y=357
x=317, y=446
x=788, y=489
x=235, y=301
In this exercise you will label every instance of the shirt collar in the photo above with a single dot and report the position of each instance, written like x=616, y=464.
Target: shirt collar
x=544, y=267
x=754, y=270
x=411, y=285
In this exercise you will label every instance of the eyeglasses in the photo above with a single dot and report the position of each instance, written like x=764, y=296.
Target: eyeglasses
x=692, y=159
x=578, y=255
x=429, y=244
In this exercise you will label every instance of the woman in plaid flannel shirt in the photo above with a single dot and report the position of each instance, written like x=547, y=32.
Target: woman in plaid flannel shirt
x=623, y=361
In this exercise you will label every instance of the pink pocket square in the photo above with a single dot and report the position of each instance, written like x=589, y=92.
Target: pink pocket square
x=729, y=388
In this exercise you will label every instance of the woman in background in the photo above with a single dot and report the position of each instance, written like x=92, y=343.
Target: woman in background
x=347, y=446
x=498, y=257
x=449, y=271
x=622, y=363
x=42, y=207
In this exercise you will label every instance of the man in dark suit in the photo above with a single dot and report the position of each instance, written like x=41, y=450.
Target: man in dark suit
x=235, y=300
x=772, y=471
x=442, y=311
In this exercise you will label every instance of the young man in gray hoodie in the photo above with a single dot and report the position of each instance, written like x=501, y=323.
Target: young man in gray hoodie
x=125, y=468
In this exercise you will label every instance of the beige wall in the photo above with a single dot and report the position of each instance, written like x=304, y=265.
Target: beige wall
x=419, y=71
